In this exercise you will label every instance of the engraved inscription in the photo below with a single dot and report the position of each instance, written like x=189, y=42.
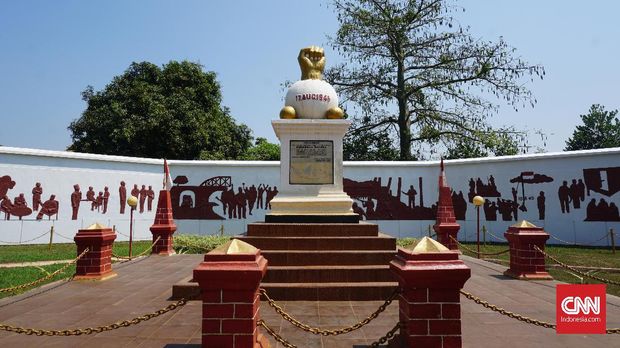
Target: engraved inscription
x=311, y=162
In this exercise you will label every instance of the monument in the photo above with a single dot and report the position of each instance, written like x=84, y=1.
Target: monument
x=310, y=129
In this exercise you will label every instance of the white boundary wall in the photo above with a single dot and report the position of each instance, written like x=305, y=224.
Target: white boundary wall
x=59, y=171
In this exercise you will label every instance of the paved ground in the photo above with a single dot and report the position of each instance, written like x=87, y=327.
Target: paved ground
x=144, y=285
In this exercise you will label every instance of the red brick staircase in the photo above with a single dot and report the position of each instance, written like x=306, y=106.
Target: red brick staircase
x=324, y=261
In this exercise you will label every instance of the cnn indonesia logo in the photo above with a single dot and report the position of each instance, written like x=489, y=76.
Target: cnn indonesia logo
x=580, y=309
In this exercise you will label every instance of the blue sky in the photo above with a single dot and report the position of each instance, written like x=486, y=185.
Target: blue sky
x=51, y=50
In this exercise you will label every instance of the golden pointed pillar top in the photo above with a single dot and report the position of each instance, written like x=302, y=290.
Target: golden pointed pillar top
x=429, y=245
x=96, y=226
x=233, y=247
x=524, y=224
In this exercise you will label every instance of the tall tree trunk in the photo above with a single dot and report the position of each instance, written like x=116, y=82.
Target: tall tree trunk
x=404, y=125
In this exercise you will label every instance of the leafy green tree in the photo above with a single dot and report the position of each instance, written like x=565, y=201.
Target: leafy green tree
x=502, y=143
x=369, y=144
x=169, y=112
x=419, y=72
x=262, y=151
x=600, y=129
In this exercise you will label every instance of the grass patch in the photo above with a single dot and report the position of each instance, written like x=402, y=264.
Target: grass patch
x=571, y=255
x=194, y=244
x=10, y=277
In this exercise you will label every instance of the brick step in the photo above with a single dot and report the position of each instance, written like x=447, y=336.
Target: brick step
x=262, y=229
x=328, y=274
x=328, y=257
x=367, y=291
x=381, y=242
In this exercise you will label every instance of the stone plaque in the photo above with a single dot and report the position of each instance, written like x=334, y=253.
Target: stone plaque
x=311, y=162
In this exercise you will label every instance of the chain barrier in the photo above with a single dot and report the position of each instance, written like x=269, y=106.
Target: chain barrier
x=335, y=332
x=475, y=252
x=496, y=237
x=561, y=240
x=64, y=237
x=47, y=277
x=575, y=270
x=519, y=317
x=25, y=241
x=92, y=330
x=140, y=254
x=384, y=339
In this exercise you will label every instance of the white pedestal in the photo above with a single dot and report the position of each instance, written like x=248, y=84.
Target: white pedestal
x=311, y=187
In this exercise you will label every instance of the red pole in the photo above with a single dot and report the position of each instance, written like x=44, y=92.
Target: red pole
x=478, y=228
x=130, y=229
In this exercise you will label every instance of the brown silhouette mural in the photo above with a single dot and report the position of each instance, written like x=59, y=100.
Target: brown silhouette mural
x=478, y=188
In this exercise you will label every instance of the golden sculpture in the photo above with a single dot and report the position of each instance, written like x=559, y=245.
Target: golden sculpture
x=312, y=62
x=311, y=97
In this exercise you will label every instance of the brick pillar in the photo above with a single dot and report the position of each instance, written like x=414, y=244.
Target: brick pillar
x=229, y=280
x=430, y=277
x=446, y=225
x=164, y=226
x=525, y=262
x=97, y=263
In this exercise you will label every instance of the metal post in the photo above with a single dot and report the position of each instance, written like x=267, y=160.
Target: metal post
x=130, y=229
x=222, y=230
x=429, y=231
x=49, y=247
x=478, y=228
x=613, y=240
x=484, y=234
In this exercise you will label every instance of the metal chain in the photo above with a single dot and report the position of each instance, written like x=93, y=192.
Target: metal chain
x=384, y=339
x=25, y=241
x=575, y=270
x=92, y=330
x=475, y=252
x=140, y=254
x=561, y=240
x=275, y=335
x=496, y=237
x=47, y=277
x=61, y=236
x=519, y=317
x=335, y=332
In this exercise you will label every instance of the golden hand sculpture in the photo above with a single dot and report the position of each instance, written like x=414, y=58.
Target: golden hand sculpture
x=312, y=62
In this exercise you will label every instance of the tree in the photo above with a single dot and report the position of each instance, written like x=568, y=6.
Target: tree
x=367, y=145
x=424, y=78
x=169, y=112
x=600, y=129
x=262, y=151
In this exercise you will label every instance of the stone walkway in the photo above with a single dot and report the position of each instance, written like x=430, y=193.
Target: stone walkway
x=144, y=285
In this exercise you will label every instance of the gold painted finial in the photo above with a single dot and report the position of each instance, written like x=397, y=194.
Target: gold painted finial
x=234, y=246
x=312, y=62
x=429, y=245
x=96, y=226
x=524, y=224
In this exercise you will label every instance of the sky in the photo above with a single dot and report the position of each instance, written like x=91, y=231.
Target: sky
x=51, y=50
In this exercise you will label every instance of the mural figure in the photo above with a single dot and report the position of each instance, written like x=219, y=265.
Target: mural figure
x=122, y=194
x=490, y=210
x=576, y=195
x=49, y=208
x=135, y=191
x=241, y=202
x=270, y=194
x=260, y=192
x=459, y=204
x=90, y=197
x=150, y=194
x=602, y=211
x=37, y=191
x=359, y=211
x=6, y=184
x=478, y=188
x=5, y=206
x=99, y=200
x=540, y=202
x=194, y=202
x=76, y=198
x=20, y=207
x=507, y=208
x=251, y=193
x=605, y=181
x=528, y=177
x=411, y=194
x=564, y=196
x=106, y=198
x=143, y=193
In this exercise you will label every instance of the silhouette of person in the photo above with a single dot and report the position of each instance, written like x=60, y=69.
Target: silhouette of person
x=359, y=211
x=492, y=184
x=472, y=185
x=260, y=191
x=514, y=194
x=480, y=189
x=591, y=212
x=122, y=193
x=20, y=201
x=602, y=207
x=37, y=191
x=241, y=201
x=6, y=184
x=575, y=194
x=106, y=198
x=540, y=201
x=270, y=194
x=582, y=190
x=411, y=194
x=76, y=197
x=49, y=208
x=135, y=191
x=143, y=192
x=6, y=205
x=251, y=194
x=370, y=208
x=490, y=210
x=564, y=196
x=515, y=209
x=150, y=194
x=20, y=207
x=90, y=196
x=613, y=212
x=99, y=201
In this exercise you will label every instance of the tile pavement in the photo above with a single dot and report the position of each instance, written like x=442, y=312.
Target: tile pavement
x=144, y=285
